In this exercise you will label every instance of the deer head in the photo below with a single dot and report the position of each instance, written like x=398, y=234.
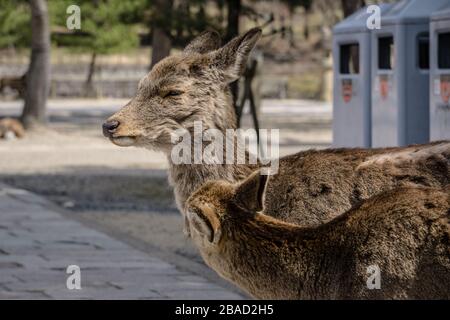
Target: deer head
x=183, y=88
x=218, y=203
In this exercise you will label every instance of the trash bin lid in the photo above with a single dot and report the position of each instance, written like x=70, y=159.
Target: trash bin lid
x=441, y=15
x=412, y=11
x=357, y=22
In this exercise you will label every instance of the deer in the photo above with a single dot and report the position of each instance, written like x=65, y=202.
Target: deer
x=11, y=128
x=193, y=86
x=401, y=236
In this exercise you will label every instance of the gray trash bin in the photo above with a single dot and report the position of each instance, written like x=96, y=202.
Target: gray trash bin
x=400, y=74
x=352, y=81
x=440, y=75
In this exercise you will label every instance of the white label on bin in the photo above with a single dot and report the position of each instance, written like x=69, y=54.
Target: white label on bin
x=445, y=88
x=384, y=86
x=347, y=90
x=437, y=87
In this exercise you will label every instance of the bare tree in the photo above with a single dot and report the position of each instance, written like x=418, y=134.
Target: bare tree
x=234, y=11
x=38, y=74
x=350, y=6
x=161, y=41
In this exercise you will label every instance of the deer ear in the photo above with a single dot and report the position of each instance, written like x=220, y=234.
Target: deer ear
x=250, y=193
x=205, y=42
x=206, y=223
x=232, y=57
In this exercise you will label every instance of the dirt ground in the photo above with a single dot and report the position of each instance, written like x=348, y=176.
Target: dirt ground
x=125, y=190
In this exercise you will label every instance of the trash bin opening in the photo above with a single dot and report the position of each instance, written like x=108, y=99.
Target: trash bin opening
x=386, y=53
x=444, y=50
x=423, y=48
x=349, y=58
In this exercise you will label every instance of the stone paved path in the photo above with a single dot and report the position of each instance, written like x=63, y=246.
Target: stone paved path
x=37, y=244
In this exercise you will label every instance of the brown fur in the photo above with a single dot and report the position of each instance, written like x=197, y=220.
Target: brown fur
x=11, y=125
x=405, y=232
x=317, y=184
x=323, y=184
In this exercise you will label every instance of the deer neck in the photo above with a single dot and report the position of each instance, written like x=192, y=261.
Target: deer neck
x=186, y=178
x=284, y=259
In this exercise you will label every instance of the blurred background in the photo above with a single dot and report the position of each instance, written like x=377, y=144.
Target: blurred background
x=120, y=40
x=53, y=145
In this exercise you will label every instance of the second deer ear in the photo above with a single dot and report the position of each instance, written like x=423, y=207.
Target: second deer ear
x=205, y=42
x=231, y=59
x=250, y=193
x=205, y=222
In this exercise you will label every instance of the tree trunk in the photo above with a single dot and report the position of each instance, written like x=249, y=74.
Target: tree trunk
x=183, y=9
x=38, y=74
x=306, y=25
x=350, y=6
x=161, y=42
x=88, y=86
x=234, y=11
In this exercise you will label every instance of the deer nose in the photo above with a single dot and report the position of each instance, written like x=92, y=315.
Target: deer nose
x=110, y=127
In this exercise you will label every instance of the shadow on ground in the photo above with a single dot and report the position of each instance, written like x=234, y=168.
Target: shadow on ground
x=99, y=189
x=136, y=204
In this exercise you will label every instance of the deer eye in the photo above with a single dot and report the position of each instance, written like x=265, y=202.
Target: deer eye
x=172, y=93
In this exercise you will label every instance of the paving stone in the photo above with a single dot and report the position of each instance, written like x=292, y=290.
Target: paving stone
x=30, y=262
x=7, y=279
x=102, y=294
x=38, y=244
x=200, y=294
x=24, y=295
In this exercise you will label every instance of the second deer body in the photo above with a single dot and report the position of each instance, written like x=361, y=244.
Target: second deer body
x=403, y=233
